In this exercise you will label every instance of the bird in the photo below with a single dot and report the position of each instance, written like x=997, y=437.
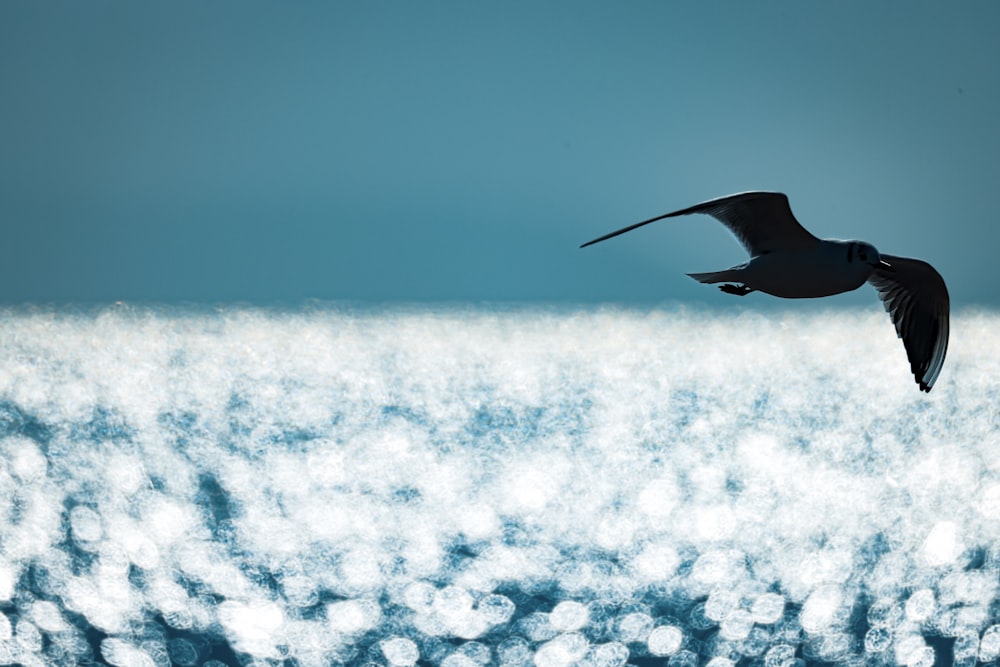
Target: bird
x=789, y=262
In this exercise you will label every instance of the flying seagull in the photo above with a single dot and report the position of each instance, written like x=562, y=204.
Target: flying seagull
x=787, y=261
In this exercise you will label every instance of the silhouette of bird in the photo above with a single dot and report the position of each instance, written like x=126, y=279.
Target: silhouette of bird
x=787, y=261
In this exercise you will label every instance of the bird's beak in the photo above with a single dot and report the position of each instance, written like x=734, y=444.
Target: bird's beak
x=885, y=266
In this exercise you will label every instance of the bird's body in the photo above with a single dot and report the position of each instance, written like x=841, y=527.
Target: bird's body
x=787, y=261
x=797, y=274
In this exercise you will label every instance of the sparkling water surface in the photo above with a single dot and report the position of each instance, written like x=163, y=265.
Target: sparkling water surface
x=468, y=487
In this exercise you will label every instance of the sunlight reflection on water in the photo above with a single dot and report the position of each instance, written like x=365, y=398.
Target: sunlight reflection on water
x=468, y=487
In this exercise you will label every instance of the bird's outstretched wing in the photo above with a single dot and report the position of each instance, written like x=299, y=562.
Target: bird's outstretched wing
x=762, y=221
x=915, y=296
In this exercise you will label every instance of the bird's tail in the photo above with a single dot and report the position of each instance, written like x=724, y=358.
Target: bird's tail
x=715, y=276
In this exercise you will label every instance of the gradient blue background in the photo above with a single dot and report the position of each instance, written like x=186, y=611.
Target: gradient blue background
x=393, y=151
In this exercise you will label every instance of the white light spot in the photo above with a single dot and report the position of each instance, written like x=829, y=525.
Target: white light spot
x=611, y=654
x=715, y=522
x=911, y=650
x=921, y=605
x=351, y=617
x=718, y=567
x=780, y=655
x=720, y=603
x=989, y=645
x=459, y=660
x=47, y=616
x=634, y=627
x=658, y=498
x=562, y=651
x=569, y=616
x=7, y=580
x=123, y=654
x=27, y=462
x=167, y=520
x=252, y=626
x=495, y=609
x=736, y=625
x=665, y=640
x=820, y=610
x=85, y=524
x=878, y=639
x=477, y=521
x=768, y=608
x=942, y=546
x=400, y=651
x=514, y=652
x=125, y=474
x=657, y=562
x=419, y=596
x=719, y=661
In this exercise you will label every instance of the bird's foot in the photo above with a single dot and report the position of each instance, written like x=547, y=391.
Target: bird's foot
x=738, y=290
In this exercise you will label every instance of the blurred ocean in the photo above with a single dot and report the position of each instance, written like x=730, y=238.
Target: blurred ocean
x=471, y=487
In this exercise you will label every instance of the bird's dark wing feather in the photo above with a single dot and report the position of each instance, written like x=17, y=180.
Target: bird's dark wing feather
x=762, y=221
x=916, y=298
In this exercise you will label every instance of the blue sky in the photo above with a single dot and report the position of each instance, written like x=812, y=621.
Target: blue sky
x=365, y=151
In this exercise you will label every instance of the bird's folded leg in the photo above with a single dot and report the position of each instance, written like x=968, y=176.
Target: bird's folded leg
x=738, y=290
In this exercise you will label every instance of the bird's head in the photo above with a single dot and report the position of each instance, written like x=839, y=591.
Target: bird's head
x=859, y=252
